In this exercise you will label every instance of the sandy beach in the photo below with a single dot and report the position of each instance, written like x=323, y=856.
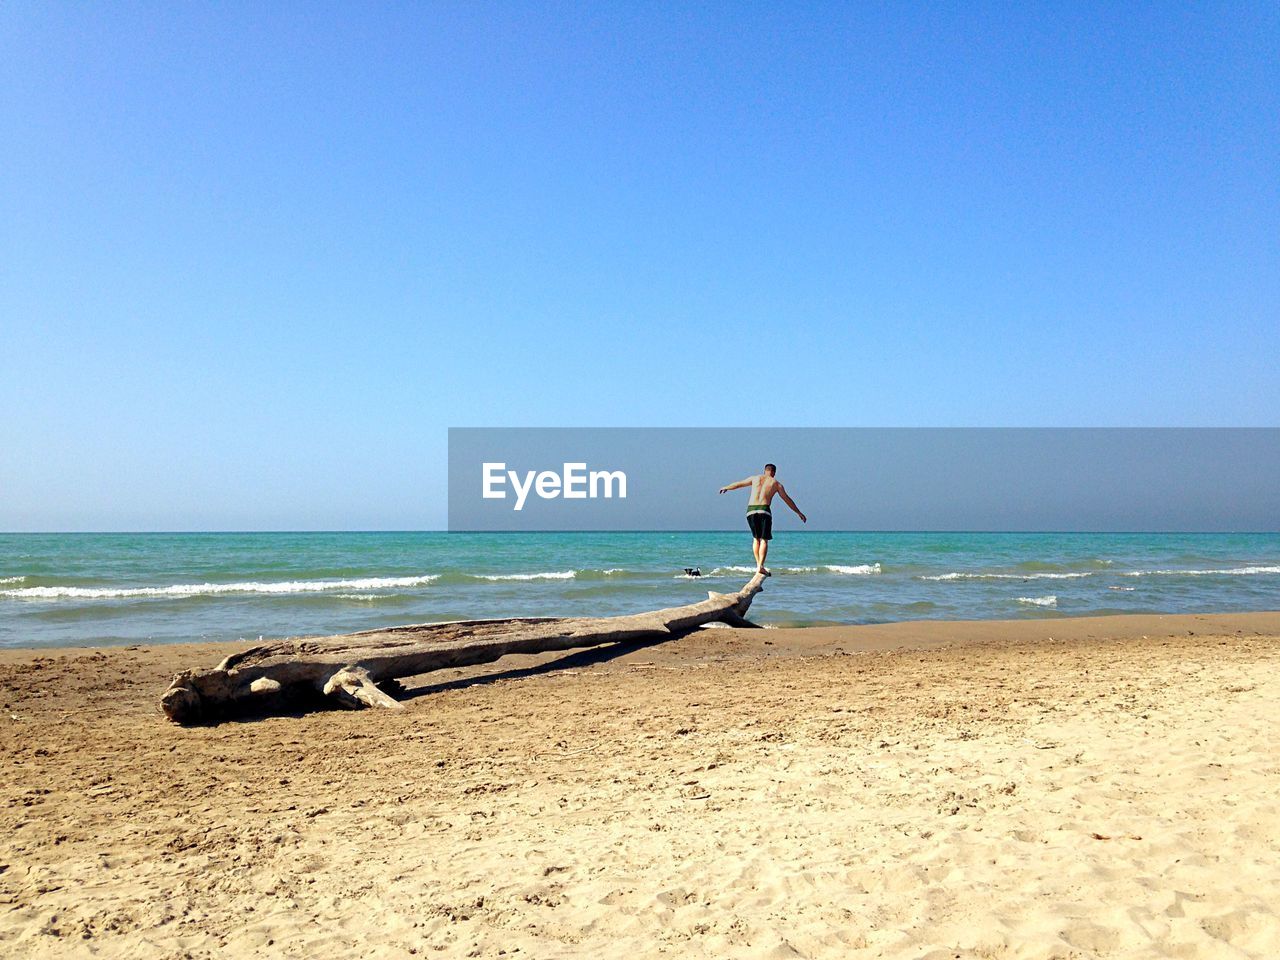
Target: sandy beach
x=1101, y=787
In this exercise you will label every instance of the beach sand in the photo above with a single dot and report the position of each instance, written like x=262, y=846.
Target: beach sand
x=1104, y=787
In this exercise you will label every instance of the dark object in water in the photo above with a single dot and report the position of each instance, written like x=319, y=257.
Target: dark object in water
x=693, y=571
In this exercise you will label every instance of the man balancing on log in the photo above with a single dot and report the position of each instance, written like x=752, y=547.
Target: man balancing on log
x=759, y=512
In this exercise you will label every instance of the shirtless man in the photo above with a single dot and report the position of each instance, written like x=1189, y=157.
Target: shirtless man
x=759, y=513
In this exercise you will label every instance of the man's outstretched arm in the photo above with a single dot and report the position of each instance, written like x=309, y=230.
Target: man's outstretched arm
x=739, y=484
x=782, y=492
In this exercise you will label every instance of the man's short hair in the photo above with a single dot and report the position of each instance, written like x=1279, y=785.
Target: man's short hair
x=771, y=469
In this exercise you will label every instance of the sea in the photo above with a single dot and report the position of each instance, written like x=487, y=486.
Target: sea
x=97, y=589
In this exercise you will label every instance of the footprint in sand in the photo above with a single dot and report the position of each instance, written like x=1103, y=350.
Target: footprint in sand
x=1244, y=929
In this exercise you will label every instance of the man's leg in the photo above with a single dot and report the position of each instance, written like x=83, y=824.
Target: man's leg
x=755, y=550
x=763, y=553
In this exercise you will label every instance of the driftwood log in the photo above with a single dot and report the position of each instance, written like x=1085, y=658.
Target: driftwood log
x=349, y=668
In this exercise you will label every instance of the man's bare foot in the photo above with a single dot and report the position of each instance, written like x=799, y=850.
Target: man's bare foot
x=764, y=571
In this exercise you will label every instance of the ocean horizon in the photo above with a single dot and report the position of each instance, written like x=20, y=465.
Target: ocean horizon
x=67, y=589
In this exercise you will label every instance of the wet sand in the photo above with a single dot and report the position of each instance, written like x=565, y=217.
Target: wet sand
x=1039, y=788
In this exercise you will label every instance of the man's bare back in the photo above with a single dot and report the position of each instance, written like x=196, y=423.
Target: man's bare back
x=764, y=487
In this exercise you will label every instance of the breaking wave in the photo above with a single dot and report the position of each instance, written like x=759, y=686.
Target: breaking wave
x=561, y=575
x=608, y=573
x=862, y=569
x=12, y=579
x=1227, y=572
x=1049, y=601
x=1075, y=575
x=1006, y=576
x=211, y=589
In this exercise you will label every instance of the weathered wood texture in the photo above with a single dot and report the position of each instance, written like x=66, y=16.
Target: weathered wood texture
x=349, y=667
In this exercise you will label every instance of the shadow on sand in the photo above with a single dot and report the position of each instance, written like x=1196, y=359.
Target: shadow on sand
x=298, y=703
x=572, y=661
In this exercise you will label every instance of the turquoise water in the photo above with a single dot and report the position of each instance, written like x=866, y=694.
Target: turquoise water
x=58, y=589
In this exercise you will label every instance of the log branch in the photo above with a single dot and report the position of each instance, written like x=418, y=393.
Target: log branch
x=348, y=668
x=353, y=687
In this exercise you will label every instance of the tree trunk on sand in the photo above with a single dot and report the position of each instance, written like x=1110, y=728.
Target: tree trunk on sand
x=349, y=667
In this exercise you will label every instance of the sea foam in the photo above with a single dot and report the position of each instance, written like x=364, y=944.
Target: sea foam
x=862, y=569
x=555, y=575
x=209, y=589
x=1050, y=601
x=1005, y=576
x=1227, y=572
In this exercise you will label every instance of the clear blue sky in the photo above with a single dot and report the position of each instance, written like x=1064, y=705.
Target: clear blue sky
x=255, y=258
